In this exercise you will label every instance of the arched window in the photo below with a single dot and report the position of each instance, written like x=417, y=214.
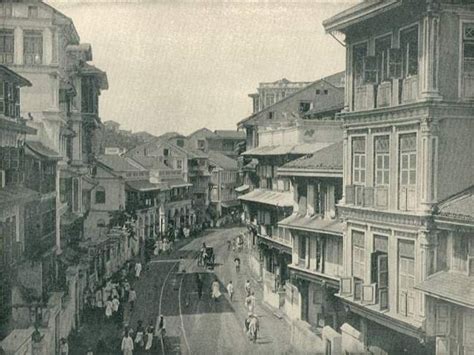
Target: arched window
x=100, y=195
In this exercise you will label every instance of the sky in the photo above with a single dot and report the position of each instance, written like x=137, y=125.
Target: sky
x=177, y=65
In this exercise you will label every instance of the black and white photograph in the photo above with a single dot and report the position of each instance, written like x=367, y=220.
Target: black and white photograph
x=220, y=177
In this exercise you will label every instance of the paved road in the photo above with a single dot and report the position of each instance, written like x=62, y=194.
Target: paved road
x=201, y=326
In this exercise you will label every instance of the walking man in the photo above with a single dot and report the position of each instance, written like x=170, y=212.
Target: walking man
x=247, y=287
x=215, y=292
x=250, y=302
x=132, y=297
x=127, y=344
x=138, y=269
x=254, y=327
x=230, y=290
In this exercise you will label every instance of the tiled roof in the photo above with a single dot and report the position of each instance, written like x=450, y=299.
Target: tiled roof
x=269, y=197
x=230, y=134
x=328, y=158
x=42, y=150
x=118, y=163
x=16, y=195
x=176, y=183
x=203, y=132
x=313, y=224
x=296, y=149
x=222, y=161
x=150, y=162
x=459, y=206
x=450, y=286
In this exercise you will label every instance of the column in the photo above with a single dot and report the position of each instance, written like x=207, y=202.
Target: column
x=18, y=34
x=430, y=55
x=47, y=46
x=346, y=167
x=310, y=200
x=425, y=266
x=428, y=163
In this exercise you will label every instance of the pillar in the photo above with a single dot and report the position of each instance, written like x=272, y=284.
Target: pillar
x=430, y=48
x=428, y=161
x=425, y=266
x=18, y=34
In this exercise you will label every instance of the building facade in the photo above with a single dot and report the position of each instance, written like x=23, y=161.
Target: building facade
x=407, y=133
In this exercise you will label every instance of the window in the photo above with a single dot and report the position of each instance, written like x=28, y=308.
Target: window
x=407, y=171
x=304, y=107
x=180, y=143
x=9, y=99
x=358, y=55
x=271, y=114
x=179, y=164
x=32, y=11
x=33, y=47
x=460, y=252
x=468, y=60
x=382, y=46
x=382, y=167
x=406, y=277
x=319, y=199
x=358, y=254
x=318, y=92
x=100, y=195
x=409, y=51
x=358, y=160
x=7, y=46
x=166, y=152
x=326, y=92
x=269, y=99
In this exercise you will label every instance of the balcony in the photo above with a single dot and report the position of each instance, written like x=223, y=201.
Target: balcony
x=370, y=197
x=279, y=234
x=388, y=93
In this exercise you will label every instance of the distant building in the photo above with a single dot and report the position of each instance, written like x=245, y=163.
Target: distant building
x=270, y=92
x=223, y=141
x=144, y=136
x=112, y=125
x=114, y=151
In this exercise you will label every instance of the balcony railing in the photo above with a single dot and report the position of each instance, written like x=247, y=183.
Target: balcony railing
x=274, y=232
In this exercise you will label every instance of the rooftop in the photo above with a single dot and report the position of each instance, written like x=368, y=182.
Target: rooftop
x=328, y=158
x=229, y=134
x=269, y=197
x=459, y=207
x=295, y=149
x=223, y=161
x=42, y=150
x=150, y=162
x=118, y=163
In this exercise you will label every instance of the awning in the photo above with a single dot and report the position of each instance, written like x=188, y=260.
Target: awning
x=44, y=151
x=14, y=195
x=313, y=224
x=296, y=149
x=16, y=125
x=143, y=185
x=230, y=204
x=242, y=188
x=269, y=197
x=177, y=183
x=450, y=286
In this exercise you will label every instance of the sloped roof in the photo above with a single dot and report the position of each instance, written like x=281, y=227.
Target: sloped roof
x=328, y=158
x=269, y=197
x=118, y=163
x=205, y=132
x=89, y=69
x=450, y=286
x=295, y=149
x=150, y=162
x=144, y=185
x=223, y=161
x=229, y=134
x=14, y=76
x=313, y=224
x=459, y=206
x=333, y=80
x=42, y=150
x=16, y=195
x=169, y=135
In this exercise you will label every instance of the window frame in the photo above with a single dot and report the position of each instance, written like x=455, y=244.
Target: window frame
x=103, y=199
x=30, y=35
x=4, y=34
x=360, y=262
x=405, y=62
x=384, y=170
x=382, y=57
x=462, y=24
x=357, y=156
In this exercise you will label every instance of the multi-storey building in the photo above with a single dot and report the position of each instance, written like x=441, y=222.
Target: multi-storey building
x=317, y=242
x=224, y=180
x=407, y=146
x=15, y=196
x=276, y=140
x=223, y=141
x=270, y=92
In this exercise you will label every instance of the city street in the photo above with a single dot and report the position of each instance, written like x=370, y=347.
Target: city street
x=199, y=326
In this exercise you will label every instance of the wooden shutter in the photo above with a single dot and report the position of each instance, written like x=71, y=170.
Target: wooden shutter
x=359, y=195
x=468, y=329
x=442, y=319
x=370, y=70
x=382, y=271
x=357, y=289
x=383, y=298
x=368, y=294
x=368, y=197
x=395, y=63
x=410, y=198
x=346, y=285
x=381, y=197
x=402, y=199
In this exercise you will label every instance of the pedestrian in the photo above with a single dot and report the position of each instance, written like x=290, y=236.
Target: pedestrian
x=254, y=327
x=250, y=302
x=199, y=285
x=63, y=347
x=89, y=351
x=161, y=331
x=230, y=290
x=229, y=244
x=150, y=333
x=132, y=297
x=138, y=269
x=139, y=335
x=237, y=264
x=247, y=287
x=108, y=308
x=127, y=344
x=126, y=287
x=215, y=290
x=115, y=304
x=247, y=324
